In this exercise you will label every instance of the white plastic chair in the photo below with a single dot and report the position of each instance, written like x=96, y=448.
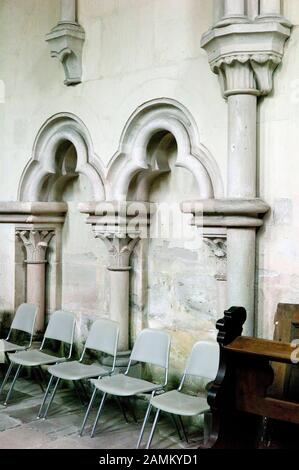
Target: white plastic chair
x=61, y=327
x=24, y=321
x=103, y=337
x=203, y=362
x=151, y=347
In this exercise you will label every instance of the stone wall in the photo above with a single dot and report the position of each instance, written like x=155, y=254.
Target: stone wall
x=136, y=51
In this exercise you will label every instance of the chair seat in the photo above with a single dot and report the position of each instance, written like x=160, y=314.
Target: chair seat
x=179, y=403
x=123, y=385
x=76, y=370
x=34, y=357
x=6, y=346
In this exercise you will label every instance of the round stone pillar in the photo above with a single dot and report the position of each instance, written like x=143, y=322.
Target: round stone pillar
x=245, y=57
x=68, y=11
x=36, y=242
x=120, y=249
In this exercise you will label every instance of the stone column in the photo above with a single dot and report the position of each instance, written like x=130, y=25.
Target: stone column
x=36, y=242
x=245, y=57
x=68, y=11
x=271, y=10
x=120, y=224
x=217, y=245
x=270, y=7
x=120, y=249
x=234, y=12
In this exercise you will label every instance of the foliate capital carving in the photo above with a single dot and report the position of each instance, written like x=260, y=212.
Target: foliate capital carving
x=218, y=246
x=36, y=243
x=246, y=73
x=66, y=43
x=245, y=56
x=120, y=247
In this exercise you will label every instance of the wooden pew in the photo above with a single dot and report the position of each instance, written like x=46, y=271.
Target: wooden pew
x=238, y=397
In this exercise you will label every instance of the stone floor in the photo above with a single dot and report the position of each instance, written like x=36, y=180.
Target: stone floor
x=19, y=428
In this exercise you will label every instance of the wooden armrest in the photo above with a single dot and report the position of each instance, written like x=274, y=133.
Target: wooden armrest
x=262, y=348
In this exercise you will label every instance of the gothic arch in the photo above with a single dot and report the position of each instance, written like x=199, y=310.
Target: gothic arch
x=58, y=130
x=169, y=119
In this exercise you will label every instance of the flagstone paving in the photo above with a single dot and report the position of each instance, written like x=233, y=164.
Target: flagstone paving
x=19, y=428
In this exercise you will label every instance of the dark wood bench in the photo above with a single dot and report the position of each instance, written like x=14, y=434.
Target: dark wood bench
x=239, y=397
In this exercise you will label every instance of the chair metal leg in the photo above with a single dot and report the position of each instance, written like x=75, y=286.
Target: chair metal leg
x=153, y=429
x=51, y=398
x=98, y=415
x=88, y=411
x=122, y=408
x=144, y=424
x=12, y=385
x=45, y=397
x=177, y=426
x=6, y=378
x=183, y=429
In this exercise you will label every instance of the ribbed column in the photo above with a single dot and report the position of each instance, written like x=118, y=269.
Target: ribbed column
x=68, y=12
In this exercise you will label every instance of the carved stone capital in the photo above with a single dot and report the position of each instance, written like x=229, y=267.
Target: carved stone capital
x=245, y=56
x=66, y=43
x=36, y=243
x=120, y=247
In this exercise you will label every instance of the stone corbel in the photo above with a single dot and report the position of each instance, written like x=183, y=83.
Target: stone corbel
x=66, y=42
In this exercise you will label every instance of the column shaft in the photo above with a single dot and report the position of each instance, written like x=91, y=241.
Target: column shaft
x=234, y=8
x=241, y=271
x=241, y=178
x=119, y=305
x=270, y=7
x=35, y=291
x=218, y=10
x=241, y=184
x=68, y=11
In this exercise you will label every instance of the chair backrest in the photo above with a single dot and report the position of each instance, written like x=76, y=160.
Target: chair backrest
x=61, y=327
x=152, y=346
x=24, y=318
x=103, y=336
x=203, y=360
